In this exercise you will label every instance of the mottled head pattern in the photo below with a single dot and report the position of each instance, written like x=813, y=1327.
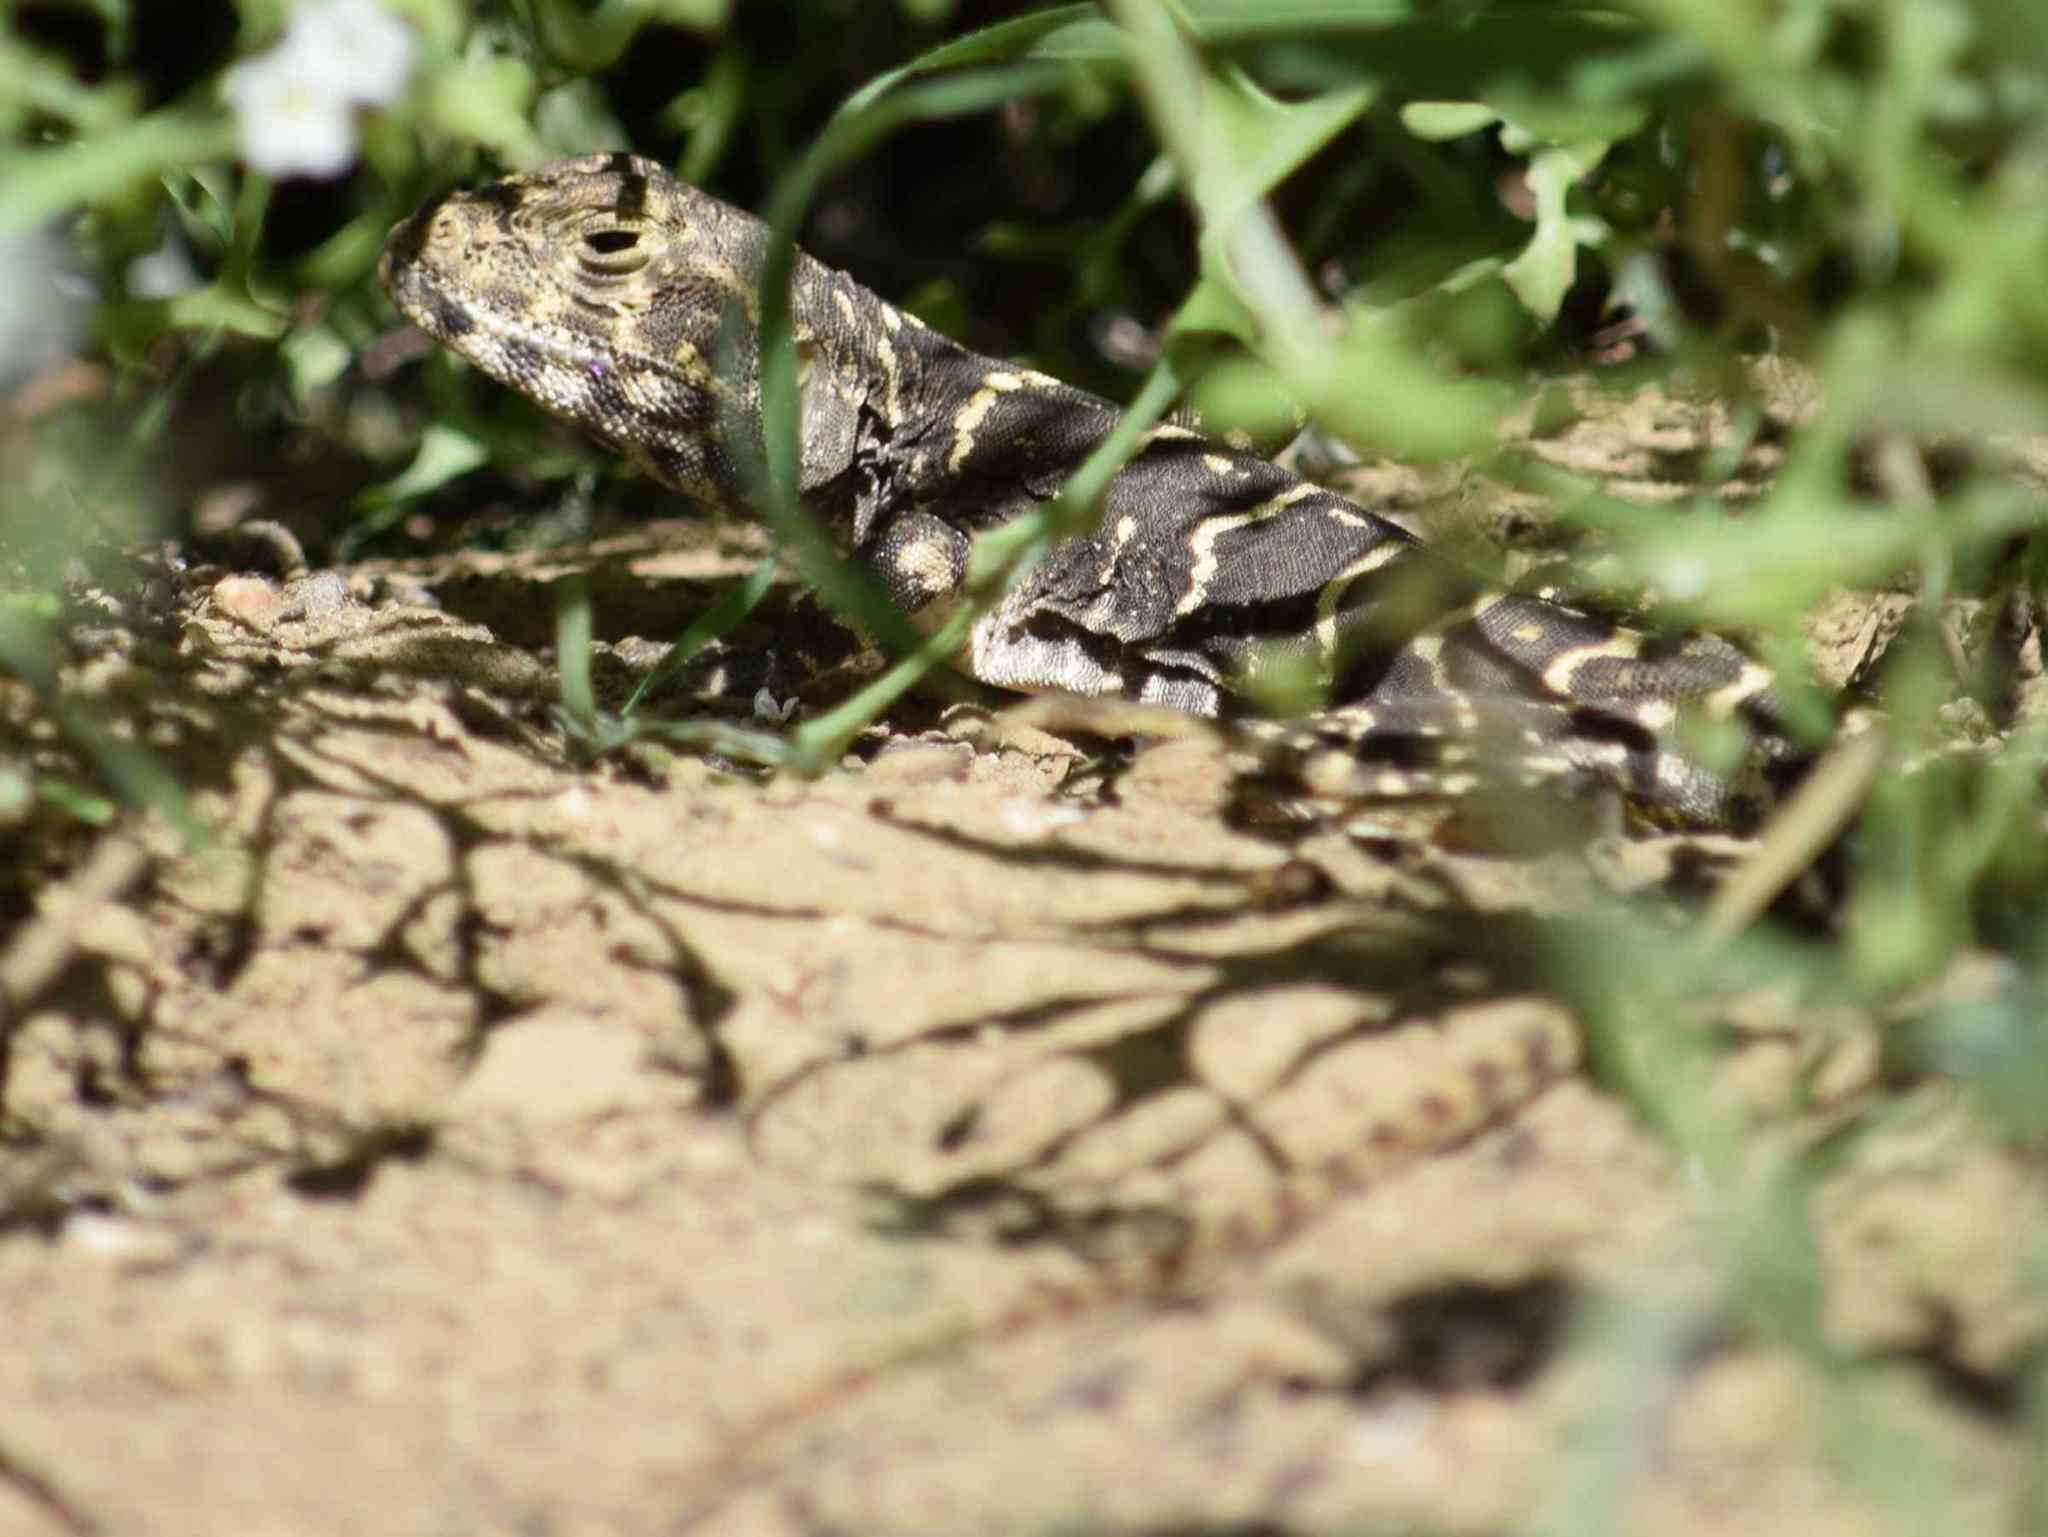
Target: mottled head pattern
x=607, y=291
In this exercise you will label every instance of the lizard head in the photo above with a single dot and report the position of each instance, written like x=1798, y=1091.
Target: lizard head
x=606, y=291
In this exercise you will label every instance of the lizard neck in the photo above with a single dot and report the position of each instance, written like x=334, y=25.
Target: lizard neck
x=912, y=419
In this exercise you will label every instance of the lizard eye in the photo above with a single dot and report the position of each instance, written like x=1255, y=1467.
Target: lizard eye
x=612, y=253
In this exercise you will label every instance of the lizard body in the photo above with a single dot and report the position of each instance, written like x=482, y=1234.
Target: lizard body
x=626, y=302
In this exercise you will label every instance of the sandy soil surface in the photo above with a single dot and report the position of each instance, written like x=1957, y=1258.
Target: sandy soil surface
x=987, y=1137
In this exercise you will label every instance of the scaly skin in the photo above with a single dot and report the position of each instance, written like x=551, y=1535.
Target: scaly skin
x=626, y=302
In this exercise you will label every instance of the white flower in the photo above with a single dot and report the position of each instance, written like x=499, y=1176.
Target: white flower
x=363, y=51
x=295, y=105
x=291, y=123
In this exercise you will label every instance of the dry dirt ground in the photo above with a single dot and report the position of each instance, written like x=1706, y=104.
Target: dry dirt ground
x=977, y=1139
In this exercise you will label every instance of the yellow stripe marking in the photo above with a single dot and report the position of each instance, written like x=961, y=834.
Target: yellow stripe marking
x=979, y=404
x=1333, y=592
x=1622, y=646
x=1209, y=530
x=1727, y=699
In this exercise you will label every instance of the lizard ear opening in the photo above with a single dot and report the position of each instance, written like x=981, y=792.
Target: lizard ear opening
x=611, y=253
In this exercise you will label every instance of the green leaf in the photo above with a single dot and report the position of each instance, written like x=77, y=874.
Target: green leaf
x=1065, y=33
x=1532, y=120
x=735, y=604
x=1227, y=21
x=1543, y=273
x=573, y=630
x=585, y=41
x=574, y=119
x=1212, y=310
x=1242, y=400
x=1446, y=119
x=444, y=453
x=38, y=184
x=222, y=304
x=2000, y=1044
x=704, y=15
x=314, y=357
x=76, y=802
x=488, y=103
x=1254, y=142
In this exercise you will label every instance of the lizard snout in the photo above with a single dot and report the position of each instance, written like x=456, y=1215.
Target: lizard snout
x=434, y=237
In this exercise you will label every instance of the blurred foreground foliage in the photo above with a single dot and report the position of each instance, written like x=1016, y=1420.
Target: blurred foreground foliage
x=1488, y=192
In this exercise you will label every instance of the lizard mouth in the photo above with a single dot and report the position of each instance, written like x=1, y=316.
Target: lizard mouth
x=471, y=324
x=420, y=269
x=422, y=300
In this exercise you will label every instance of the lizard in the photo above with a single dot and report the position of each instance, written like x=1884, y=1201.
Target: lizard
x=626, y=302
